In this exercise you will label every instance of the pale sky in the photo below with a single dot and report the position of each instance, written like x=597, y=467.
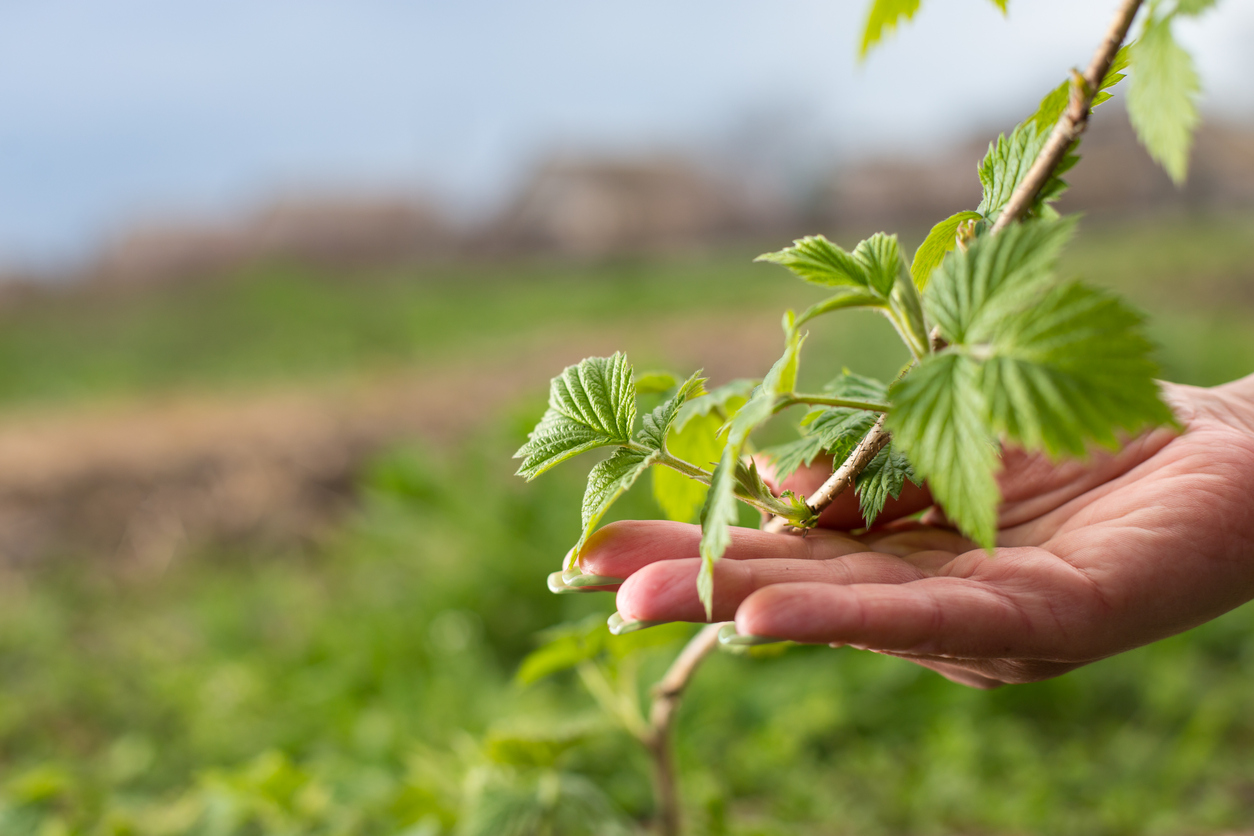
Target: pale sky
x=133, y=109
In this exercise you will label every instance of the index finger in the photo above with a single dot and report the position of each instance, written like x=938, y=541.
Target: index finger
x=621, y=548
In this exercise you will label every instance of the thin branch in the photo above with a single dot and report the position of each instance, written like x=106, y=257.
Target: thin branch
x=868, y=448
x=1073, y=121
x=667, y=694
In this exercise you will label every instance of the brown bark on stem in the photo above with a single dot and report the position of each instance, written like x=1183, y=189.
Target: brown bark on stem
x=667, y=694
x=1074, y=120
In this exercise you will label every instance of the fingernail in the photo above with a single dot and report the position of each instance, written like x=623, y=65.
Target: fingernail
x=591, y=580
x=559, y=587
x=568, y=562
x=621, y=627
x=727, y=635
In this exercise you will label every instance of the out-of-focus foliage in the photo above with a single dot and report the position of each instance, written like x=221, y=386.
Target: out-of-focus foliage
x=367, y=686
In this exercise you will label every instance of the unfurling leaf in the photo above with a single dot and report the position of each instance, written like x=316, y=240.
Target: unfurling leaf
x=819, y=261
x=608, y=481
x=939, y=421
x=656, y=423
x=591, y=404
x=885, y=476
x=940, y=241
x=679, y=496
x=1162, y=104
x=880, y=256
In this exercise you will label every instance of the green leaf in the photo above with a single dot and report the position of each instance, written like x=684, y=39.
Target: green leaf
x=680, y=497
x=608, y=481
x=1006, y=164
x=1073, y=367
x=845, y=299
x=1001, y=4
x=856, y=387
x=883, y=18
x=656, y=423
x=939, y=422
x=835, y=431
x=941, y=240
x=533, y=746
x=510, y=802
x=1162, y=104
x=1194, y=7
x=718, y=515
x=562, y=647
x=782, y=378
x=885, y=476
x=1055, y=102
x=839, y=430
x=591, y=404
x=554, y=440
x=1114, y=75
x=720, y=511
x=655, y=383
x=725, y=401
x=1051, y=108
x=821, y=262
x=972, y=289
x=880, y=256
x=832, y=430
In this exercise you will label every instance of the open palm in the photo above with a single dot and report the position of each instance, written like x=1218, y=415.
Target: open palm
x=1093, y=558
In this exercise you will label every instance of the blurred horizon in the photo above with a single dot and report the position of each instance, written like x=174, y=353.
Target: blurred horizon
x=197, y=113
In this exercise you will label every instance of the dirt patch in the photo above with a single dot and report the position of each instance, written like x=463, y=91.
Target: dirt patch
x=141, y=481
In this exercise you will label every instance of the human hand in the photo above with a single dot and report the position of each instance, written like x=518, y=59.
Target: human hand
x=1093, y=558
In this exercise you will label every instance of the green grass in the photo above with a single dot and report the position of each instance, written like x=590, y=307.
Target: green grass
x=353, y=690
x=284, y=323
x=363, y=686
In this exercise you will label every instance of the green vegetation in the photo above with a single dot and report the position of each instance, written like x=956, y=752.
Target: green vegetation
x=286, y=323
x=366, y=686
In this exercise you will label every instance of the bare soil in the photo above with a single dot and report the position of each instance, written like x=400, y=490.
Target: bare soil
x=135, y=483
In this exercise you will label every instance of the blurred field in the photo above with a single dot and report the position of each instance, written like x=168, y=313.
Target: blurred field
x=342, y=681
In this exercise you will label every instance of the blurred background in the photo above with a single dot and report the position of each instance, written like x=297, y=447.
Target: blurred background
x=281, y=288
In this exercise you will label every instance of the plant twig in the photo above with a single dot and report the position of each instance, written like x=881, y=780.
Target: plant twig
x=667, y=694
x=1072, y=123
x=1074, y=120
x=868, y=448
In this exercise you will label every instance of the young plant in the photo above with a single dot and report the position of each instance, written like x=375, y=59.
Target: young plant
x=1002, y=349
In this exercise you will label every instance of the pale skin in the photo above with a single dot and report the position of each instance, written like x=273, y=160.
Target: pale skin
x=1093, y=558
